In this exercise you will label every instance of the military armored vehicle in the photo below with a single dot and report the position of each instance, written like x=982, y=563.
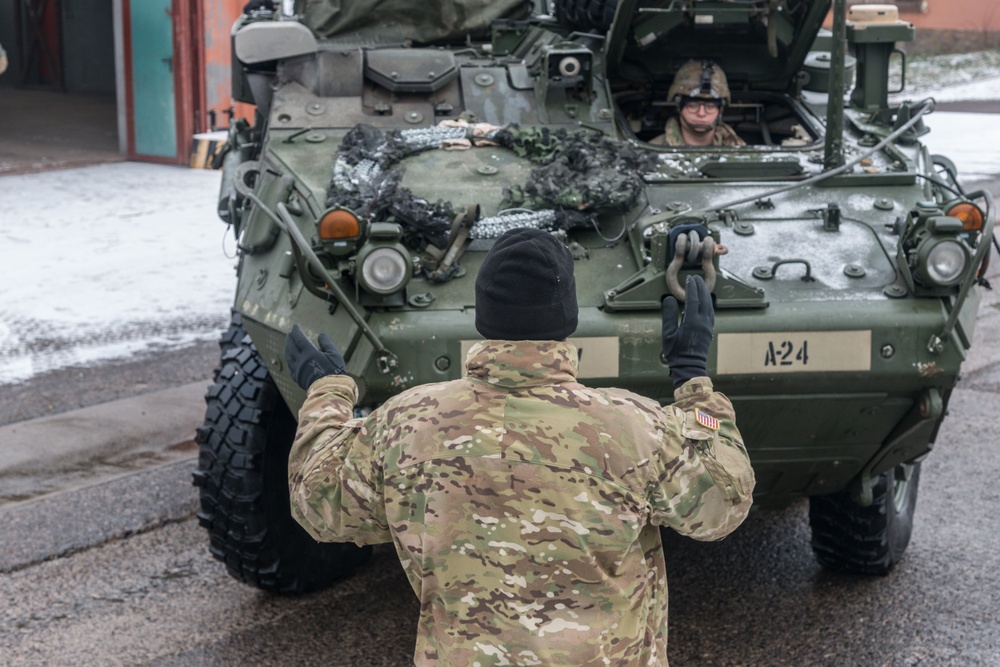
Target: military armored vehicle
x=391, y=145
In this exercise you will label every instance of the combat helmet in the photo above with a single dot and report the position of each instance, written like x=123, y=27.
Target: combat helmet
x=699, y=78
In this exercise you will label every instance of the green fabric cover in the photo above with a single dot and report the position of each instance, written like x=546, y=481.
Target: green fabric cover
x=422, y=22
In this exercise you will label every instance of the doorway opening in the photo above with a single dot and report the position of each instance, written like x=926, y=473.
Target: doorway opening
x=58, y=97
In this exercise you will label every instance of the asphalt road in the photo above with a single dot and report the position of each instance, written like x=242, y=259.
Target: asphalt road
x=118, y=573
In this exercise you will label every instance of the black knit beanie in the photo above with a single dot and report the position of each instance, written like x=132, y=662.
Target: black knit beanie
x=525, y=289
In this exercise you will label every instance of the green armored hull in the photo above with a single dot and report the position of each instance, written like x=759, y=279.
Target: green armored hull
x=843, y=258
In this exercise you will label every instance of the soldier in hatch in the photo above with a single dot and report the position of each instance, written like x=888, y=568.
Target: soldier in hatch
x=524, y=505
x=700, y=91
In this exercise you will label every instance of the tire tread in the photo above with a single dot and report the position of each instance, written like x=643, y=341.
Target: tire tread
x=847, y=537
x=244, y=501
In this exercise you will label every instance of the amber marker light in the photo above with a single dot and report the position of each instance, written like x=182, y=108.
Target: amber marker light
x=969, y=214
x=339, y=225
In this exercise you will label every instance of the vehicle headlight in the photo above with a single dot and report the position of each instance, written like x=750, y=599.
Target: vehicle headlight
x=384, y=270
x=942, y=262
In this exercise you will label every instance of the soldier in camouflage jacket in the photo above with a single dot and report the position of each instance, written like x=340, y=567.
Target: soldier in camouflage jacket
x=721, y=135
x=523, y=505
x=701, y=91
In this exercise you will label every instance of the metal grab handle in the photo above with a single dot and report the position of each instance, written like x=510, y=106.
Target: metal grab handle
x=765, y=273
x=708, y=250
x=240, y=174
x=902, y=74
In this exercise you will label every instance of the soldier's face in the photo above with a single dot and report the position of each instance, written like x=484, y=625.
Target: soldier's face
x=700, y=116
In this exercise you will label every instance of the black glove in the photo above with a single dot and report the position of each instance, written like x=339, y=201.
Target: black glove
x=306, y=364
x=686, y=346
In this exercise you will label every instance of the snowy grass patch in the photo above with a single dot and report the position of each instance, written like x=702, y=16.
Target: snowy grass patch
x=949, y=77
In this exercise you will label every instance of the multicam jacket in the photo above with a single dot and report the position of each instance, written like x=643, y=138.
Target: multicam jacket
x=724, y=135
x=522, y=504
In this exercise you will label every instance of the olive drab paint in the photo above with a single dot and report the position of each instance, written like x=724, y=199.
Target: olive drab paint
x=845, y=291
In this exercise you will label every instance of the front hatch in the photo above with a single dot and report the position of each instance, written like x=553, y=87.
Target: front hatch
x=761, y=44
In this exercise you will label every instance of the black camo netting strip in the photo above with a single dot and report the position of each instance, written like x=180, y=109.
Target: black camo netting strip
x=581, y=173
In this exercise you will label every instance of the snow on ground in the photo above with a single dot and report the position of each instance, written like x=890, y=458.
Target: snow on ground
x=106, y=261
x=112, y=260
x=985, y=89
x=956, y=77
x=969, y=139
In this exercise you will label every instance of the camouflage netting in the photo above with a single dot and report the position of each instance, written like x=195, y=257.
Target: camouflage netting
x=582, y=173
x=585, y=171
x=404, y=20
x=365, y=181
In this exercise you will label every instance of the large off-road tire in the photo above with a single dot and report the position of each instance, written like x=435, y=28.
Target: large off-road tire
x=242, y=478
x=231, y=337
x=866, y=540
x=586, y=15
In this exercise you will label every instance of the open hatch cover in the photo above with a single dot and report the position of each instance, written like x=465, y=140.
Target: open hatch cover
x=760, y=44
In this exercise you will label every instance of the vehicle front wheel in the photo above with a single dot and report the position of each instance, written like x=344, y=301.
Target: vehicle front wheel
x=866, y=540
x=242, y=478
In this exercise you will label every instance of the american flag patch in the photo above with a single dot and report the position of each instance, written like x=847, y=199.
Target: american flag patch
x=708, y=421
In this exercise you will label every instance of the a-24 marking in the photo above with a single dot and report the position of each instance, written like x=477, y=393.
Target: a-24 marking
x=786, y=353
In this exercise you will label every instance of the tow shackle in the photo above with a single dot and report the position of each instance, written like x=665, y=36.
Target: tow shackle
x=687, y=248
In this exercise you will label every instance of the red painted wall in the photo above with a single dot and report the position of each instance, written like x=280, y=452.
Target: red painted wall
x=949, y=26
x=218, y=17
x=978, y=15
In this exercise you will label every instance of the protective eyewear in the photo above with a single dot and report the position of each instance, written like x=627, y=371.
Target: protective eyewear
x=704, y=105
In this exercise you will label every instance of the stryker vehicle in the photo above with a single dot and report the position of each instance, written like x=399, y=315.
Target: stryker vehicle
x=392, y=145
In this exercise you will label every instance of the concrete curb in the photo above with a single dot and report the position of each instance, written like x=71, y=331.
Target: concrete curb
x=144, y=423
x=64, y=523
x=97, y=473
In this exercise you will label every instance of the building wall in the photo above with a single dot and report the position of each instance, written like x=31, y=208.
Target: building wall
x=218, y=18
x=967, y=15
x=949, y=26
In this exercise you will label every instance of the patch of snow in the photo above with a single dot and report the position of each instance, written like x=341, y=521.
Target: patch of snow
x=106, y=261
x=968, y=139
x=952, y=77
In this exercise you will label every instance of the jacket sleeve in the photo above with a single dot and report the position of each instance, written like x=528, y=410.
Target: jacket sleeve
x=705, y=482
x=334, y=475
